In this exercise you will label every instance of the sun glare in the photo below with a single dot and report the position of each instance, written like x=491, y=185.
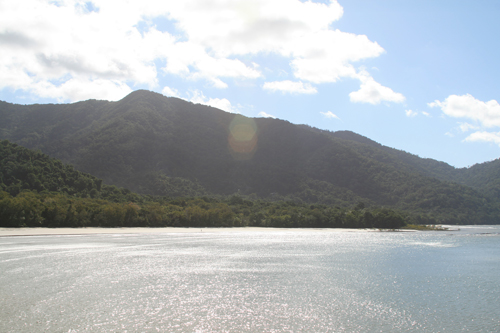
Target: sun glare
x=242, y=139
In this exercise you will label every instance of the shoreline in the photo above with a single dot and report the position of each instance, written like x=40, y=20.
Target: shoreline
x=12, y=232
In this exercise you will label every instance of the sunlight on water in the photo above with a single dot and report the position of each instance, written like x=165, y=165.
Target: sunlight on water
x=290, y=281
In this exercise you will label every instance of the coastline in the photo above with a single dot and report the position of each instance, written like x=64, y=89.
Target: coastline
x=8, y=232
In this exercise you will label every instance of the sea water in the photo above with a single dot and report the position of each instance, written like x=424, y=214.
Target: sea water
x=288, y=280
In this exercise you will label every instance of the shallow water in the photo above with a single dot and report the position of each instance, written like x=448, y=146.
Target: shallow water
x=287, y=281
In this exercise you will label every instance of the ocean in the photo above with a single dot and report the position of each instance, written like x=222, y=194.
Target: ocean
x=235, y=280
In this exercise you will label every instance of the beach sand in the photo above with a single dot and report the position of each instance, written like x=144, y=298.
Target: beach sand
x=83, y=231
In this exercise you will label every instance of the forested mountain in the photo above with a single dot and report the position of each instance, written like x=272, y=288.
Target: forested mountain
x=156, y=145
x=24, y=169
x=39, y=191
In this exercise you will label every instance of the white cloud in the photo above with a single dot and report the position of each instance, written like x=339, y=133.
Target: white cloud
x=330, y=114
x=218, y=83
x=192, y=61
x=79, y=89
x=219, y=103
x=56, y=47
x=117, y=45
x=265, y=115
x=288, y=86
x=484, y=137
x=167, y=91
x=484, y=114
x=252, y=26
x=373, y=92
x=466, y=106
x=326, y=56
x=465, y=127
x=410, y=113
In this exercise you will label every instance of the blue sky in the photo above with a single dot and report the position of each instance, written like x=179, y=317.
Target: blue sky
x=420, y=76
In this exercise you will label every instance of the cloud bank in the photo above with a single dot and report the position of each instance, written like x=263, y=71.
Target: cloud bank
x=75, y=49
x=483, y=114
x=373, y=92
x=288, y=86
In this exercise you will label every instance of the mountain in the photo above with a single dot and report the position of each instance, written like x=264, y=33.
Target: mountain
x=152, y=144
x=39, y=191
x=22, y=169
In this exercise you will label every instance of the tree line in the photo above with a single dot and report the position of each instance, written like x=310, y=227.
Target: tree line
x=53, y=210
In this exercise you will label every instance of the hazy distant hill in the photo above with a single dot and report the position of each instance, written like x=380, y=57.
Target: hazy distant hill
x=149, y=143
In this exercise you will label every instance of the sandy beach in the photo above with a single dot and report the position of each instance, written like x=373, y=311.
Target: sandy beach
x=4, y=232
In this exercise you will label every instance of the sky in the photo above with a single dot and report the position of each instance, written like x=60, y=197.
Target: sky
x=416, y=75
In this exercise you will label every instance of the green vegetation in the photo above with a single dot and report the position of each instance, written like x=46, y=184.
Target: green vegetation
x=166, y=147
x=30, y=209
x=39, y=191
x=24, y=169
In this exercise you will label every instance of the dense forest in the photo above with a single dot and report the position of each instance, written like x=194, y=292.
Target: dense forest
x=39, y=191
x=166, y=147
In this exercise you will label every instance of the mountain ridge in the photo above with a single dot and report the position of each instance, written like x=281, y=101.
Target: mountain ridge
x=146, y=139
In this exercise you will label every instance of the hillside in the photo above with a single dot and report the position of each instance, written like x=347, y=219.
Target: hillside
x=39, y=191
x=150, y=144
x=24, y=169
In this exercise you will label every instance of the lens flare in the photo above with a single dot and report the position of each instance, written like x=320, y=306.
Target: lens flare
x=242, y=140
